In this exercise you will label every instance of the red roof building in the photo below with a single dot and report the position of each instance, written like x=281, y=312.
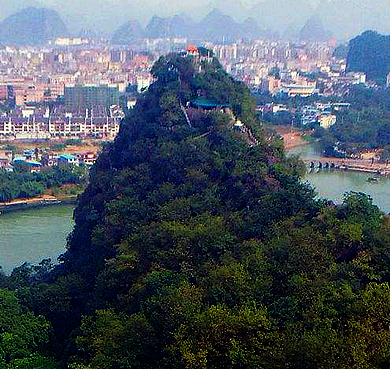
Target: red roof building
x=192, y=50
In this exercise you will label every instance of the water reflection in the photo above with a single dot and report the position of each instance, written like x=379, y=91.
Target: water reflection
x=333, y=184
x=33, y=234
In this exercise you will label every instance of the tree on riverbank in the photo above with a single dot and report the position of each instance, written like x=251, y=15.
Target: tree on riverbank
x=362, y=127
x=21, y=184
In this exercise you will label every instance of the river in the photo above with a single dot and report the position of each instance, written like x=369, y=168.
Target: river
x=333, y=184
x=33, y=234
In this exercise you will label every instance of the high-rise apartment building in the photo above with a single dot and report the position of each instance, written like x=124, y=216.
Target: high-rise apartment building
x=89, y=96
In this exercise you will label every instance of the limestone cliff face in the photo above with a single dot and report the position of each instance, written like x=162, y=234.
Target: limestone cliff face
x=128, y=33
x=314, y=31
x=215, y=26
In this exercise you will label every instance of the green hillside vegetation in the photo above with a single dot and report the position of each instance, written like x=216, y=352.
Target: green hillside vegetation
x=341, y=51
x=370, y=53
x=24, y=337
x=197, y=246
x=22, y=183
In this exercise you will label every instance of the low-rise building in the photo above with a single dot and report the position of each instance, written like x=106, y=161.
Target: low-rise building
x=88, y=158
x=67, y=159
x=300, y=90
x=327, y=121
x=76, y=126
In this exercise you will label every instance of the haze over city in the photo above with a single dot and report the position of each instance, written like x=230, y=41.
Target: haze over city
x=343, y=18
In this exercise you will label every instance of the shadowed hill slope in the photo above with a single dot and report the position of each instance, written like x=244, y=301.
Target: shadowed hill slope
x=370, y=53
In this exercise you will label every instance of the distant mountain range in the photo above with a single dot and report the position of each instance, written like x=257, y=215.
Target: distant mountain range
x=129, y=33
x=215, y=26
x=282, y=14
x=292, y=19
x=32, y=26
x=344, y=18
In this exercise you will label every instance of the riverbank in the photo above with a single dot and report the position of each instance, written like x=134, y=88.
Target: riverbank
x=333, y=184
x=44, y=200
x=292, y=137
x=294, y=140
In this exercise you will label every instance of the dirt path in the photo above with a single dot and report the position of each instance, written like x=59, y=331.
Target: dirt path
x=292, y=140
x=292, y=137
x=30, y=200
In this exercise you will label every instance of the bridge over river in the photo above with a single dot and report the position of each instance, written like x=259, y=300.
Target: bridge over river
x=357, y=165
x=347, y=175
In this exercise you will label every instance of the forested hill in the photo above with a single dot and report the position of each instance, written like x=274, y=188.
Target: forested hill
x=370, y=53
x=196, y=246
x=172, y=162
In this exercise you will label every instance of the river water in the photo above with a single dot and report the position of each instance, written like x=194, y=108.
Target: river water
x=333, y=184
x=33, y=234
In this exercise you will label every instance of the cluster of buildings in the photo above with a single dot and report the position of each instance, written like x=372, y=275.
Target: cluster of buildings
x=322, y=114
x=41, y=75
x=34, y=75
x=36, y=159
x=44, y=123
x=292, y=68
x=75, y=88
x=310, y=116
x=71, y=88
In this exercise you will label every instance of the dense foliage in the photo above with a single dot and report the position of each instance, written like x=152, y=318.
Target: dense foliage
x=282, y=118
x=197, y=246
x=23, y=337
x=370, y=53
x=341, y=51
x=22, y=183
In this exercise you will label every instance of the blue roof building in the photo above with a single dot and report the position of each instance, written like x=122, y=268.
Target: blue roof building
x=68, y=159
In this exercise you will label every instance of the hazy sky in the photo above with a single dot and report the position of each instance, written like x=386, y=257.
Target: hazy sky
x=92, y=11
x=345, y=18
